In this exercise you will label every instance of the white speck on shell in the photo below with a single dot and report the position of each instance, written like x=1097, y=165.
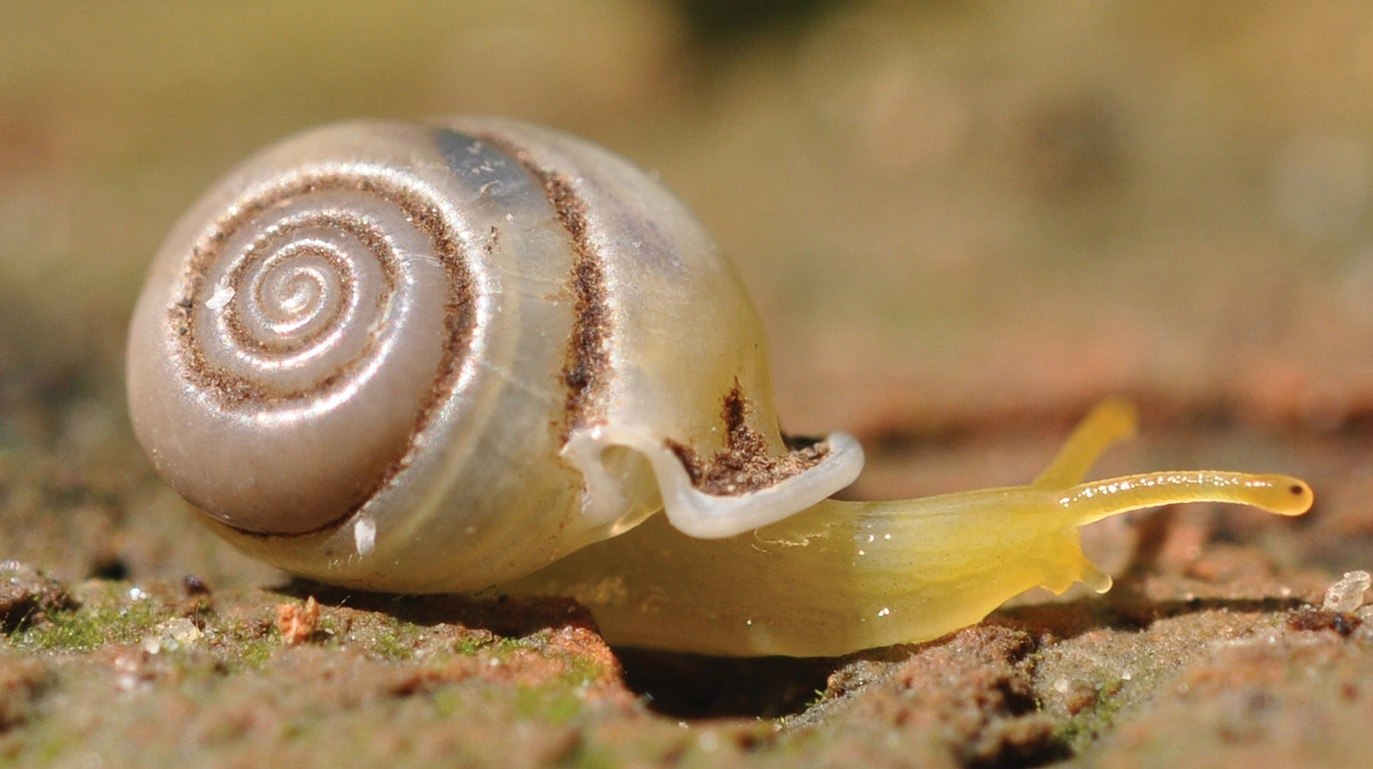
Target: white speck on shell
x=365, y=536
x=223, y=294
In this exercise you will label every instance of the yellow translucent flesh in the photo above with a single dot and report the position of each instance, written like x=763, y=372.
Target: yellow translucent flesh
x=1110, y=422
x=844, y=576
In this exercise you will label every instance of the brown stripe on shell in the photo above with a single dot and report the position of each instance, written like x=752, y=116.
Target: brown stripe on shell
x=744, y=464
x=459, y=317
x=586, y=368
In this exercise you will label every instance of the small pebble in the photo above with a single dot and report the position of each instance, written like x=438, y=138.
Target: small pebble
x=1347, y=594
x=298, y=623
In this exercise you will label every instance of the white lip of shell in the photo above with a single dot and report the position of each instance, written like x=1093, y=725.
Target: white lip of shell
x=692, y=511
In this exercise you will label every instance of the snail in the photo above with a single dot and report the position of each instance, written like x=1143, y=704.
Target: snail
x=483, y=355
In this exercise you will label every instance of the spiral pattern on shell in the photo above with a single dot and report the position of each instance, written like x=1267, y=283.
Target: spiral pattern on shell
x=287, y=317
x=292, y=296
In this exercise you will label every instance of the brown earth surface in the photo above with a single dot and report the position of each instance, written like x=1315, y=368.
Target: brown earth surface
x=963, y=225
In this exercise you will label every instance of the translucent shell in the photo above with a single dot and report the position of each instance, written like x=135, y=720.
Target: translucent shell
x=428, y=358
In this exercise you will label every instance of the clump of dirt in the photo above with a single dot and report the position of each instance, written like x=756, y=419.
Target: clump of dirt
x=968, y=701
x=27, y=596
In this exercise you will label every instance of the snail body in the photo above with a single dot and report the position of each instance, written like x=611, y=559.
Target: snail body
x=430, y=358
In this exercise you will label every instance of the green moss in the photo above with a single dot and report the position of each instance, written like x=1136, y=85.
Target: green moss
x=393, y=646
x=580, y=672
x=255, y=654
x=1083, y=728
x=498, y=647
x=551, y=703
x=472, y=644
x=110, y=618
x=548, y=703
x=395, y=639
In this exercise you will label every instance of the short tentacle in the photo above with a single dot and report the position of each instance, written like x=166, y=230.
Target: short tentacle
x=1109, y=423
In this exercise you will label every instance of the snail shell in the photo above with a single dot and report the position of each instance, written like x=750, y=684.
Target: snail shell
x=437, y=357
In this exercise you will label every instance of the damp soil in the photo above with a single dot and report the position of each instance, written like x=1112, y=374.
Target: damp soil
x=128, y=636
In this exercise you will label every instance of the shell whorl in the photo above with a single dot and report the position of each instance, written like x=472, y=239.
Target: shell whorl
x=293, y=295
x=318, y=282
x=433, y=357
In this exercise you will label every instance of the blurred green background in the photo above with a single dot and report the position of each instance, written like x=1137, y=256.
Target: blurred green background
x=939, y=206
